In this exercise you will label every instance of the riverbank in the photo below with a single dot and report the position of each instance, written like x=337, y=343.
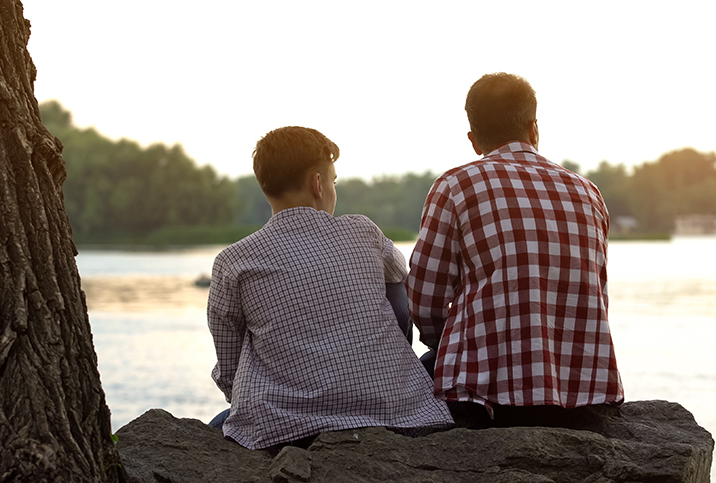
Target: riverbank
x=174, y=236
x=189, y=236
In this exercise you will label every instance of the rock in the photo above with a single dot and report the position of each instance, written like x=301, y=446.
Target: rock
x=291, y=464
x=643, y=441
x=159, y=448
x=204, y=280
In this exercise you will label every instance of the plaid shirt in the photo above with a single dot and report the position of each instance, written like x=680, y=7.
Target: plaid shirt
x=305, y=338
x=508, y=281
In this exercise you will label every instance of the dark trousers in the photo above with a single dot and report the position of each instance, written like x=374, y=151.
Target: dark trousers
x=398, y=298
x=428, y=360
x=474, y=415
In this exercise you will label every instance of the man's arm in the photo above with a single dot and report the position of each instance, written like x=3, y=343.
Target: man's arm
x=226, y=325
x=434, y=268
x=603, y=237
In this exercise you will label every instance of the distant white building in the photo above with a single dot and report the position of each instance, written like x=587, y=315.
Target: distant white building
x=695, y=225
x=623, y=225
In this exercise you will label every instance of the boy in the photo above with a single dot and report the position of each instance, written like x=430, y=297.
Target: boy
x=305, y=337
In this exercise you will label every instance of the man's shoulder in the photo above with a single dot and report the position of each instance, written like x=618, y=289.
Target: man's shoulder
x=454, y=178
x=448, y=177
x=515, y=155
x=458, y=170
x=507, y=165
x=485, y=164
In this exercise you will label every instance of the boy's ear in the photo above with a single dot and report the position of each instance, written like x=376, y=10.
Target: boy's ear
x=315, y=187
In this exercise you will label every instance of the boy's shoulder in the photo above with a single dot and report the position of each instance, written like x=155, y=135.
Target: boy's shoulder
x=360, y=223
x=257, y=242
x=244, y=245
x=361, y=220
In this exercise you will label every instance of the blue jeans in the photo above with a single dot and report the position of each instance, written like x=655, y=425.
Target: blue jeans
x=398, y=298
x=219, y=419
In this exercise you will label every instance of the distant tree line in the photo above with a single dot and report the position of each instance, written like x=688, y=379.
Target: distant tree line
x=120, y=192
x=681, y=182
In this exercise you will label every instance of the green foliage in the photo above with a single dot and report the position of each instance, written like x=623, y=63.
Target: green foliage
x=394, y=203
x=119, y=192
x=614, y=184
x=55, y=118
x=390, y=201
x=253, y=209
x=653, y=236
x=199, y=235
x=400, y=234
x=679, y=183
x=119, y=189
x=571, y=165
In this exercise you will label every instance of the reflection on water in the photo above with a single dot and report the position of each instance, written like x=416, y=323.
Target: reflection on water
x=154, y=349
x=142, y=293
x=159, y=359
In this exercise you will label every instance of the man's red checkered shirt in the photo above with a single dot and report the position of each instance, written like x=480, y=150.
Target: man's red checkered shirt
x=508, y=281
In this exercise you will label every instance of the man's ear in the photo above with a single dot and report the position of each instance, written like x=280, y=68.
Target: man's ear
x=534, y=134
x=474, y=143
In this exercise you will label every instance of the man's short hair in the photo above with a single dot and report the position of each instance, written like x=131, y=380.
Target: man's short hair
x=283, y=157
x=500, y=108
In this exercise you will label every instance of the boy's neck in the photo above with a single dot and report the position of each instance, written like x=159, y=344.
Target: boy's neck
x=292, y=199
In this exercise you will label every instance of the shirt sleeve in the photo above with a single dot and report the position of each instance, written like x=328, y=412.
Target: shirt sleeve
x=603, y=241
x=393, y=262
x=394, y=266
x=434, y=268
x=226, y=324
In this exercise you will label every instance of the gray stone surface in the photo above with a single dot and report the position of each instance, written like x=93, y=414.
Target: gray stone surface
x=291, y=464
x=644, y=441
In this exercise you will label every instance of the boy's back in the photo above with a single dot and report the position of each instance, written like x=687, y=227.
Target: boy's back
x=306, y=339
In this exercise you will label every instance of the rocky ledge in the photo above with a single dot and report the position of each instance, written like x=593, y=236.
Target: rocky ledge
x=643, y=441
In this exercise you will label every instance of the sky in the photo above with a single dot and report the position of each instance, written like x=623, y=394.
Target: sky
x=622, y=81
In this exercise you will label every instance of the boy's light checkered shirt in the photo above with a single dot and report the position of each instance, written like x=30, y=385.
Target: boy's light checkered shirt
x=305, y=338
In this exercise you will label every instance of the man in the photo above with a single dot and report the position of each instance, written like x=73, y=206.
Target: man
x=508, y=280
x=305, y=338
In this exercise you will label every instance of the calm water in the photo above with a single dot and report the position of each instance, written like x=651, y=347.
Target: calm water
x=154, y=348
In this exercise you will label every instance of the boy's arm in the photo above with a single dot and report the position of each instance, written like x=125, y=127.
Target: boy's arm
x=226, y=325
x=393, y=263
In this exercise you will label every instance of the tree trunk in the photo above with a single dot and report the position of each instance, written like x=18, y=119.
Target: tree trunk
x=54, y=422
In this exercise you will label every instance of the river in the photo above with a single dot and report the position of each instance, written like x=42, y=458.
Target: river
x=155, y=351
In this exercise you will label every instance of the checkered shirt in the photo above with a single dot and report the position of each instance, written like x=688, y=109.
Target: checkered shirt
x=305, y=337
x=508, y=281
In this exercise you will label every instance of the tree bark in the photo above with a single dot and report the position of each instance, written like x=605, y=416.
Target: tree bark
x=54, y=422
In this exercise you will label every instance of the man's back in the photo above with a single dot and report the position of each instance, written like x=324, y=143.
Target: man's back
x=512, y=261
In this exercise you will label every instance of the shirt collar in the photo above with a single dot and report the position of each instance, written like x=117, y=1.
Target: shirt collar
x=295, y=211
x=513, y=147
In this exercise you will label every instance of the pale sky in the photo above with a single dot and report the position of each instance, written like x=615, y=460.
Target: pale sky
x=623, y=81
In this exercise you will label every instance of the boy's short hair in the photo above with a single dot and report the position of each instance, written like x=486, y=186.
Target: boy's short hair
x=283, y=156
x=500, y=108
